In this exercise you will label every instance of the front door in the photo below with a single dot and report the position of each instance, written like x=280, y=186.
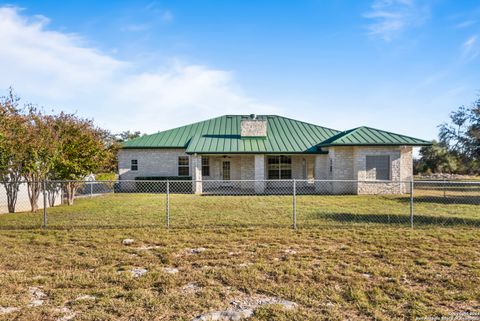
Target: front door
x=226, y=170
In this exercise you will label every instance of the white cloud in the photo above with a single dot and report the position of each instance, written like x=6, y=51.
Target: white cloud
x=465, y=24
x=470, y=48
x=389, y=18
x=164, y=14
x=167, y=16
x=59, y=70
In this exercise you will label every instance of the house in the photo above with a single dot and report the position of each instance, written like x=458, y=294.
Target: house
x=273, y=148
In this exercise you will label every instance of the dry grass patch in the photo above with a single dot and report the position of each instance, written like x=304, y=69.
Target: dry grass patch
x=331, y=274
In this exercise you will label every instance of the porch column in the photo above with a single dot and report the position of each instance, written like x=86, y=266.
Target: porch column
x=197, y=173
x=259, y=173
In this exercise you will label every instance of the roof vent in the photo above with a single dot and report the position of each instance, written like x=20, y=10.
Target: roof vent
x=253, y=116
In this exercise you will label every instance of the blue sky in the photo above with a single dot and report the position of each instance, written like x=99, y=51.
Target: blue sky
x=399, y=65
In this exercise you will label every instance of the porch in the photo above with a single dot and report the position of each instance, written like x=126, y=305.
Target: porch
x=252, y=174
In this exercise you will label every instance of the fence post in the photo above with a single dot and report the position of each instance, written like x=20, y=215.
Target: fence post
x=294, y=204
x=45, y=204
x=411, y=203
x=168, y=204
x=91, y=188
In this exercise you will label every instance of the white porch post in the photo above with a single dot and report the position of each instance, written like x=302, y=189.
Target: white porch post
x=197, y=173
x=259, y=173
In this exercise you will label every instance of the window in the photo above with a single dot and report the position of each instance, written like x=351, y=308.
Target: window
x=279, y=167
x=331, y=165
x=205, y=166
x=378, y=167
x=134, y=165
x=183, y=166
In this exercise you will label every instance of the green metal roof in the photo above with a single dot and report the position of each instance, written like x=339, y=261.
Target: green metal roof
x=222, y=135
x=367, y=136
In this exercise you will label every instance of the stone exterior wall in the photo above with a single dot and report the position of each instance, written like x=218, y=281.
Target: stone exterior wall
x=401, y=169
x=348, y=163
x=321, y=166
x=247, y=169
x=151, y=162
x=406, y=163
x=343, y=160
x=322, y=172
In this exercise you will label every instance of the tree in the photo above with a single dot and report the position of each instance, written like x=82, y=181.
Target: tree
x=436, y=159
x=461, y=136
x=114, y=143
x=82, y=150
x=13, y=137
x=41, y=152
x=128, y=135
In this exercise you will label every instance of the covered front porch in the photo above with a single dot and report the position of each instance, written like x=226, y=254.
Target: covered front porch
x=252, y=173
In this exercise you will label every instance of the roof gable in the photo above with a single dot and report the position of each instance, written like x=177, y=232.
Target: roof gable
x=368, y=136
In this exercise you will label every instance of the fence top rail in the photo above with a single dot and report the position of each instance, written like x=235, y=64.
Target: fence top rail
x=427, y=182
x=226, y=181
x=447, y=182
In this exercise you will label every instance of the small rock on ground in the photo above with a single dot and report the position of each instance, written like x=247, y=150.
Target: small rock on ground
x=68, y=314
x=242, y=265
x=244, y=307
x=198, y=250
x=190, y=288
x=227, y=315
x=85, y=298
x=149, y=247
x=128, y=241
x=170, y=270
x=37, y=296
x=138, y=272
x=255, y=301
x=5, y=310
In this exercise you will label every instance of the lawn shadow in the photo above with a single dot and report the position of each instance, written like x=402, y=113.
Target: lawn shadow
x=397, y=219
x=459, y=200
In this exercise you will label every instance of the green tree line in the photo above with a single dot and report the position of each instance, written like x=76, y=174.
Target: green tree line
x=37, y=147
x=458, y=148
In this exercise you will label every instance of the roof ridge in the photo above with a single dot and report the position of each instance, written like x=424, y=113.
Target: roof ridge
x=176, y=128
x=389, y=132
x=304, y=122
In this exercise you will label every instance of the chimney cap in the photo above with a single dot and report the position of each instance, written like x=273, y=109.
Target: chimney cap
x=253, y=116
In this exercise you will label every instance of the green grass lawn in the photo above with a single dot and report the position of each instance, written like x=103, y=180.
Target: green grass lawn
x=431, y=208
x=352, y=258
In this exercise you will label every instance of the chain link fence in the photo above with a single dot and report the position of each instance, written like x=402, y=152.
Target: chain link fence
x=243, y=203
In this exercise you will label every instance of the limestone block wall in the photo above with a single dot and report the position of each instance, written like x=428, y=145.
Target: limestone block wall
x=247, y=167
x=406, y=163
x=401, y=169
x=343, y=160
x=151, y=162
x=322, y=172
